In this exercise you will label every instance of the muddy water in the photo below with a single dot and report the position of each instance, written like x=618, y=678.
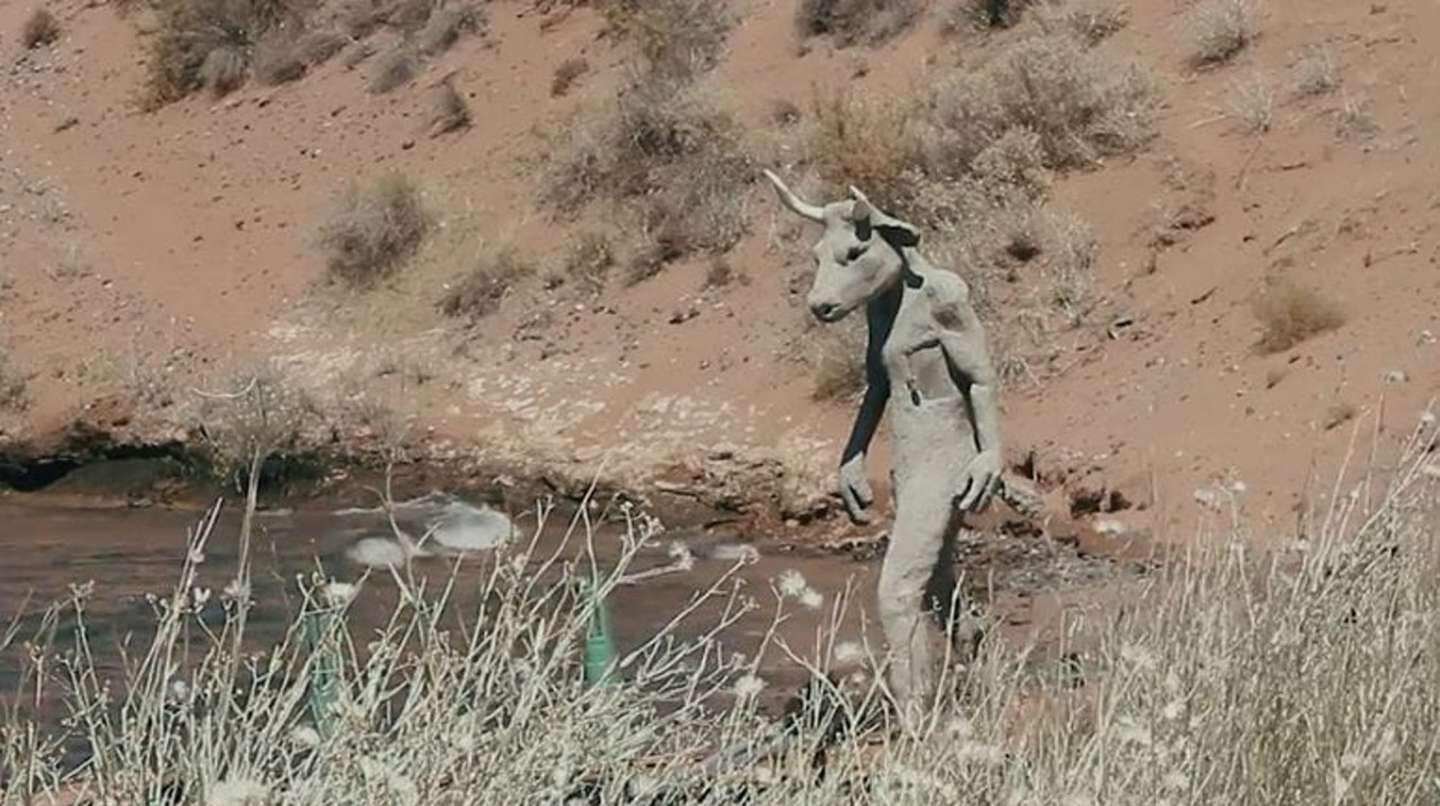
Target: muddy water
x=129, y=553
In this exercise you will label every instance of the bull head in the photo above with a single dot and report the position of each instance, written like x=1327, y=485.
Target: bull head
x=852, y=265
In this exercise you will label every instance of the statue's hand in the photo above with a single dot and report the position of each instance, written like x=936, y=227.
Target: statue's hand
x=981, y=479
x=855, y=489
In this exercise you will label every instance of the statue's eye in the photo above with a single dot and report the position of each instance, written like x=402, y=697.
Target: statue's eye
x=854, y=252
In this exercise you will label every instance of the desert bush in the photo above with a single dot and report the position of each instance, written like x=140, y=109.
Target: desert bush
x=317, y=47
x=1221, y=29
x=669, y=150
x=1252, y=102
x=374, y=230
x=40, y=28
x=451, y=111
x=278, y=59
x=1290, y=313
x=677, y=39
x=1091, y=22
x=1318, y=71
x=590, y=260
x=394, y=70
x=447, y=24
x=566, y=74
x=480, y=292
x=851, y=22
x=212, y=43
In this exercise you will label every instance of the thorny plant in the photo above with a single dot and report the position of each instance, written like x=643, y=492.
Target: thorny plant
x=1302, y=676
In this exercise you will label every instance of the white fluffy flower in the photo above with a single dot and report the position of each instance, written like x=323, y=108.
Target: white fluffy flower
x=847, y=652
x=305, y=736
x=811, y=599
x=749, y=686
x=684, y=559
x=792, y=583
x=338, y=594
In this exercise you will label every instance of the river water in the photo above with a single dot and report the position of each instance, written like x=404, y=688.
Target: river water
x=128, y=554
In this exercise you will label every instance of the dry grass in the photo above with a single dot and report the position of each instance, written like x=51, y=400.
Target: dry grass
x=40, y=28
x=278, y=59
x=374, y=231
x=480, y=292
x=1303, y=675
x=446, y=24
x=212, y=43
x=1290, y=313
x=1318, y=71
x=393, y=71
x=590, y=261
x=566, y=74
x=1092, y=22
x=672, y=156
x=1221, y=29
x=1252, y=102
x=451, y=112
x=851, y=22
x=679, y=40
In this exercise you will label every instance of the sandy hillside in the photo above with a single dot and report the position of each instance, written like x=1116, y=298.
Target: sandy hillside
x=147, y=253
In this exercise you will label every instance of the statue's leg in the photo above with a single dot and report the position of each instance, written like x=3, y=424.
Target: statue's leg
x=948, y=604
x=923, y=519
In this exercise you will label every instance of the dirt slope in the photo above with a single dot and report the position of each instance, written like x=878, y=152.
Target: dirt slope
x=148, y=253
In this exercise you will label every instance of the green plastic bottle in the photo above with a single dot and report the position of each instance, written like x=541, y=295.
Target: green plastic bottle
x=599, y=640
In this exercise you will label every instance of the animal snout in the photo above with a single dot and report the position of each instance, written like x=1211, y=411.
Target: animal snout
x=824, y=311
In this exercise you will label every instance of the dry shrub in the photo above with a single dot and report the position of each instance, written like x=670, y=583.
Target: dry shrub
x=1090, y=22
x=668, y=149
x=1318, y=71
x=1252, y=102
x=278, y=59
x=590, y=261
x=361, y=18
x=678, y=39
x=375, y=230
x=40, y=28
x=863, y=140
x=785, y=113
x=394, y=70
x=210, y=43
x=480, y=292
x=317, y=47
x=1221, y=29
x=451, y=110
x=1290, y=313
x=445, y=26
x=566, y=74
x=851, y=22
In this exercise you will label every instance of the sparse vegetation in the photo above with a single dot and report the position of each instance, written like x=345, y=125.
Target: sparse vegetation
x=1071, y=268
x=784, y=113
x=1290, y=313
x=394, y=70
x=851, y=22
x=480, y=292
x=211, y=43
x=40, y=28
x=1229, y=678
x=566, y=74
x=1252, y=102
x=278, y=59
x=451, y=112
x=1318, y=71
x=446, y=24
x=590, y=261
x=678, y=39
x=1092, y=22
x=1222, y=28
x=374, y=231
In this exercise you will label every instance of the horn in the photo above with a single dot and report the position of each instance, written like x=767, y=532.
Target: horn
x=796, y=205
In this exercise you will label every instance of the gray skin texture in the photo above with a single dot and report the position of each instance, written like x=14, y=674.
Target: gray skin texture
x=928, y=363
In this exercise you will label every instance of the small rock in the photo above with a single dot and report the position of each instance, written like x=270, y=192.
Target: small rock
x=1396, y=376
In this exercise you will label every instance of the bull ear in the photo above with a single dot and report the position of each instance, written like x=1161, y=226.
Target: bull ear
x=898, y=233
x=795, y=203
x=860, y=215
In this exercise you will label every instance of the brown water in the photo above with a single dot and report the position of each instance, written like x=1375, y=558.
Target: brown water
x=128, y=553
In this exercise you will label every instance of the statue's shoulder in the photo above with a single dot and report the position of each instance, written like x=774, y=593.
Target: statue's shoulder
x=949, y=295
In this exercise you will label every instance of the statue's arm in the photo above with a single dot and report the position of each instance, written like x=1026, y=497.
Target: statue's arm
x=854, y=485
x=962, y=338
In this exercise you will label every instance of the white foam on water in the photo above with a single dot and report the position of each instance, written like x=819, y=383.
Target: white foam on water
x=462, y=527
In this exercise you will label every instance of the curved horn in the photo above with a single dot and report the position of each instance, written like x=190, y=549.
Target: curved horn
x=796, y=205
